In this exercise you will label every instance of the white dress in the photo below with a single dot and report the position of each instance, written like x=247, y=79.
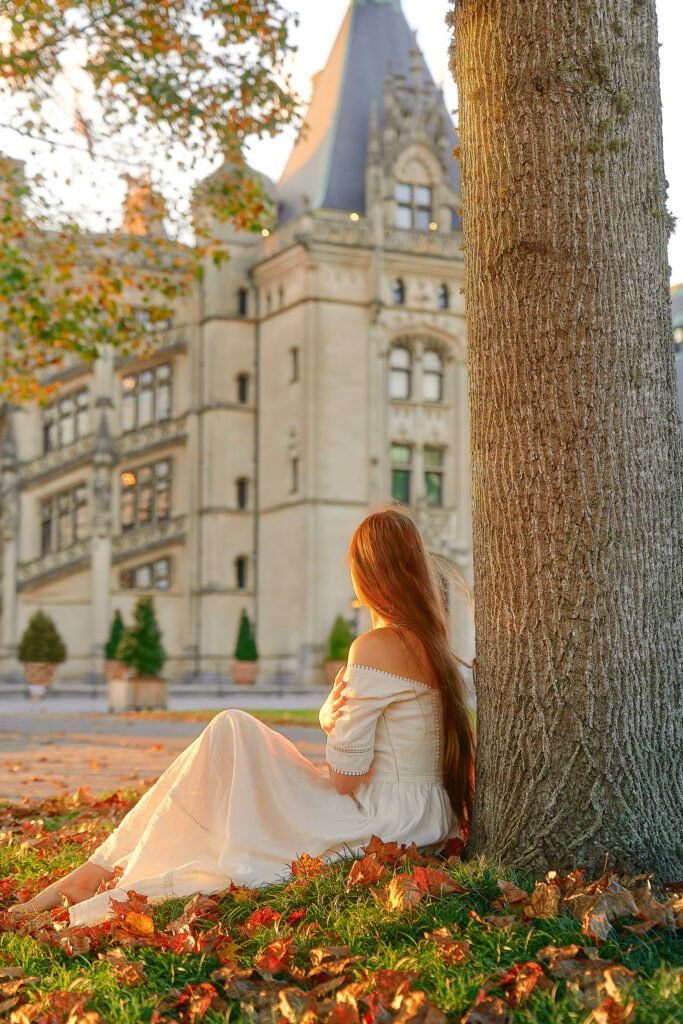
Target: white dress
x=241, y=802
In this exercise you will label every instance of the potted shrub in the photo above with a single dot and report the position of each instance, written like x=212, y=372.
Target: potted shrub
x=245, y=664
x=140, y=648
x=340, y=640
x=41, y=650
x=112, y=666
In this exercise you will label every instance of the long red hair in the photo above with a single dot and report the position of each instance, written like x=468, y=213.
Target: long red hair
x=397, y=579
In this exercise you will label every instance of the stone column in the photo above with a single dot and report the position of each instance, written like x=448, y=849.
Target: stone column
x=418, y=489
x=100, y=567
x=9, y=524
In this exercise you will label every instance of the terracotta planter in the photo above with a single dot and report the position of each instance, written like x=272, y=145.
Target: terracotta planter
x=128, y=692
x=114, y=669
x=331, y=669
x=39, y=676
x=244, y=672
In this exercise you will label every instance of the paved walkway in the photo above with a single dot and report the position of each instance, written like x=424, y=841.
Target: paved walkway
x=50, y=748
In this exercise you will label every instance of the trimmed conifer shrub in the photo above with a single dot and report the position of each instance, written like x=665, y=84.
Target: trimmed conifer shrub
x=117, y=630
x=340, y=640
x=41, y=641
x=246, y=645
x=140, y=644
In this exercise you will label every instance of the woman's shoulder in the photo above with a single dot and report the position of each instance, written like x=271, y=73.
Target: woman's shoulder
x=386, y=650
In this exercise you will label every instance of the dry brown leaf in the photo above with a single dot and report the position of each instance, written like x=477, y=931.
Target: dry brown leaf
x=453, y=951
x=139, y=924
x=276, y=955
x=612, y=1012
x=543, y=902
x=198, y=906
x=416, y=1008
x=320, y=953
x=504, y=921
x=512, y=893
x=25, y=1014
x=487, y=1010
x=652, y=914
x=365, y=872
x=403, y=893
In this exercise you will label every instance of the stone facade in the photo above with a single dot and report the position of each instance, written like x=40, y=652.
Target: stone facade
x=319, y=370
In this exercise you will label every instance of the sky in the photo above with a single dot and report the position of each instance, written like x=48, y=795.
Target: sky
x=320, y=21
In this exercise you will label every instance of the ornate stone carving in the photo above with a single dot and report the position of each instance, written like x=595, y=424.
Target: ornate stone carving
x=56, y=561
x=59, y=460
x=438, y=243
x=144, y=537
x=153, y=434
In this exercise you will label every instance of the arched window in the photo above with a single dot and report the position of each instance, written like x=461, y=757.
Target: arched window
x=444, y=297
x=399, y=292
x=243, y=388
x=400, y=372
x=241, y=572
x=432, y=376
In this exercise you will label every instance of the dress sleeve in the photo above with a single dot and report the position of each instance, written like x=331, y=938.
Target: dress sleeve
x=324, y=708
x=351, y=744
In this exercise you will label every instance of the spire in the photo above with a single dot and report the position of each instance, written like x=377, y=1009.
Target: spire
x=374, y=61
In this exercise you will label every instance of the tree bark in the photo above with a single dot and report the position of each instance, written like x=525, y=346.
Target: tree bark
x=577, y=457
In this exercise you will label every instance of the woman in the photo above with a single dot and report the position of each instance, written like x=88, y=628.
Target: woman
x=242, y=802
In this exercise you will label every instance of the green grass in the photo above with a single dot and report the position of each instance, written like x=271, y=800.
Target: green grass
x=304, y=716
x=384, y=938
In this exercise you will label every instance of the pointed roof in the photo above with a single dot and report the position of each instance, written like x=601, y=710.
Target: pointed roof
x=327, y=164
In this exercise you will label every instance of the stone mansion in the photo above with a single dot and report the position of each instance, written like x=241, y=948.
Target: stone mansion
x=320, y=370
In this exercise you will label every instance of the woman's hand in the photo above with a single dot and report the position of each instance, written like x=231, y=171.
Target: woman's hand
x=334, y=705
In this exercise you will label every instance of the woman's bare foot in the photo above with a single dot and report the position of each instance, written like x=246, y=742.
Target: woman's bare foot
x=77, y=886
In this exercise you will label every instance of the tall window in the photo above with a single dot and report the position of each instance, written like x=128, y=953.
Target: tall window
x=295, y=474
x=433, y=464
x=432, y=376
x=243, y=388
x=399, y=292
x=401, y=470
x=146, y=495
x=444, y=297
x=414, y=204
x=241, y=572
x=243, y=301
x=152, y=575
x=64, y=520
x=242, y=492
x=146, y=397
x=66, y=420
x=294, y=357
x=400, y=372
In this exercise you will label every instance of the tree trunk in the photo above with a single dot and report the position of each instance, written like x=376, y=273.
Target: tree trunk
x=577, y=457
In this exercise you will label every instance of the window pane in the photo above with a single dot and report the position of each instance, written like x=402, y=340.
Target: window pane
x=399, y=384
x=443, y=297
x=164, y=371
x=49, y=437
x=66, y=430
x=162, y=573
x=128, y=412
x=66, y=533
x=404, y=193
x=432, y=387
x=127, y=579
x=432, y=360
x=147, y=378
x=433, y=458
x=46, y=536
x=400, y=357
x=163, y=402
x=434, y=484
x=163, y=499
x=82, y=399
x=143, y=577
x=241, y=572
x=399, y=292
x=423, y=196
x=400, y=485
x=145, y=503
x=66, y=406
x=128, y=508
x=400, y=455
x=81, y=522
x=423, y=219
x=83, y=422
x=145, y=407
x=404, y=217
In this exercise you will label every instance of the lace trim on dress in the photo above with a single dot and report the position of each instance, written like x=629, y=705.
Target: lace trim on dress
x=349, y=750
x=406, y=679
x=340, y=771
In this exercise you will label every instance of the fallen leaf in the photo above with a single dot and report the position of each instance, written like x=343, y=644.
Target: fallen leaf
x=523, y=978
x=276, y=955
x=416, y=1008
x=365, y=872
x=139, y=924
x=453, y=951
x=320, y=953
x=403, y=893
x=386, y=853
x=612, y=1012
x=544, y=901
x=436, y=882
x=512, y=893
x=487, y=1010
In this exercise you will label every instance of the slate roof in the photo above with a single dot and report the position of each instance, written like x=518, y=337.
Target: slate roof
x=327, y=164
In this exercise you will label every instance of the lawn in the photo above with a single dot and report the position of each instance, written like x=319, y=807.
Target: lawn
x=396, y=937
x=305, y=716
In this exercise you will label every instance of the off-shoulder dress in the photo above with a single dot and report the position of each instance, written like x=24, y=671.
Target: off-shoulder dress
x=241, y=802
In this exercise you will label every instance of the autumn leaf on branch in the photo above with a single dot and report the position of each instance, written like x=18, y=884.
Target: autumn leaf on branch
x=147, y=95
